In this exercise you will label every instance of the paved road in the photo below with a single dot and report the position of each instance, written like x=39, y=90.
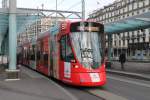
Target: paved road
x=117, y=88
x=79, y=92
x=132, y=89
x=32, y=86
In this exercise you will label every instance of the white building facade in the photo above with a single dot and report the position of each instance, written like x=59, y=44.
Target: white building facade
x=5, y=3
x=136, y=44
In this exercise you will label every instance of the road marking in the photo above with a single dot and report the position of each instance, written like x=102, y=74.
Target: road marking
x=106, y=95
x=129, y=81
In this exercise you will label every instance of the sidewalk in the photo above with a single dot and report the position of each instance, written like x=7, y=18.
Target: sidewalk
x=137, y=70
x=32, y=86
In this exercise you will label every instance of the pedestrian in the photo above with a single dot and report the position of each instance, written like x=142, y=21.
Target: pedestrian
x=122, y=60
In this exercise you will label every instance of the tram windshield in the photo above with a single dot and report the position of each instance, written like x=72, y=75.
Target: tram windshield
x=88, y=49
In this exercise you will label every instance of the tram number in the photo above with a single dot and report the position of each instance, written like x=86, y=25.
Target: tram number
x=95, y=77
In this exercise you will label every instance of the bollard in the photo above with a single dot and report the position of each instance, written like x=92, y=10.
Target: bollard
x=12, y=75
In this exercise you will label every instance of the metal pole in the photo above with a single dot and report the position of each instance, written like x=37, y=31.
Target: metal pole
x=109, y=46
x=1, y=39
x=12, y=35
x=117, y=45
x=56, y=12
x=83, y=10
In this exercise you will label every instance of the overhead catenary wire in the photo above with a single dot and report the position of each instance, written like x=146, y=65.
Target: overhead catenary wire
x=61, y=2
x=74, y=5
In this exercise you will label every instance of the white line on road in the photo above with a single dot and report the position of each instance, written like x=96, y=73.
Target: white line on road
x=129, y=81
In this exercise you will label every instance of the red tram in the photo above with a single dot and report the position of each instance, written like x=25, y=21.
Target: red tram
x=72, y=52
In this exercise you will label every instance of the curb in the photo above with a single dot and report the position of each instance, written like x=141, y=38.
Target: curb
x=137, y=61
x=129, y=74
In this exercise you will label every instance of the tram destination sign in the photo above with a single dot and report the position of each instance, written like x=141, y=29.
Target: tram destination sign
x=86, y=27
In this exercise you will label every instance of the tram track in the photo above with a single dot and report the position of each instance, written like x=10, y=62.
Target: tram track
x=101, y=93
x=105, y=95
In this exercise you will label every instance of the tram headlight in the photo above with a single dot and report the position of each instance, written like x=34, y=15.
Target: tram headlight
x=76, y=66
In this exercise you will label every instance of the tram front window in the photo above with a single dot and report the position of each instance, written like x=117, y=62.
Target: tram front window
x=87, y=47
x=66, y=51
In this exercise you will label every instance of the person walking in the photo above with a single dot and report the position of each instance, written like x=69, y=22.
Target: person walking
x=122, y=60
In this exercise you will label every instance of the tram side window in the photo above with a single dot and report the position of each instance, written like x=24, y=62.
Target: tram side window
x=45, y=57
x=63, y=46
x=30, y=53
x=33, y=53
x=38, y=55
x=66, y=51
x=46, y=60
x=39, y=50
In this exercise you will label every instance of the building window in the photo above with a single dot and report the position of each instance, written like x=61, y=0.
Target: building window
x=143, y=4
x=138, y=40
x=143, y=39
x=119, y=42
x=115, y=43
x=132, y=13
x=123, y=42
x=128, y=41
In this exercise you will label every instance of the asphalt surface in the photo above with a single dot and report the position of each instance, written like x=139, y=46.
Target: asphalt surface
x=32, y=86
x=132, y=89
x=81, y=94
x=38, y=87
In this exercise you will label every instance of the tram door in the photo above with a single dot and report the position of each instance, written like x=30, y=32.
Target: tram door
x=67, y=56
x=54, y=60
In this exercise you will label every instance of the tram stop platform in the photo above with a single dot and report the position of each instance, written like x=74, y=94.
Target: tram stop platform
x=32, y=86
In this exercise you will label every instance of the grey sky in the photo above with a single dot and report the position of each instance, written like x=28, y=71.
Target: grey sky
x=64, y=4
